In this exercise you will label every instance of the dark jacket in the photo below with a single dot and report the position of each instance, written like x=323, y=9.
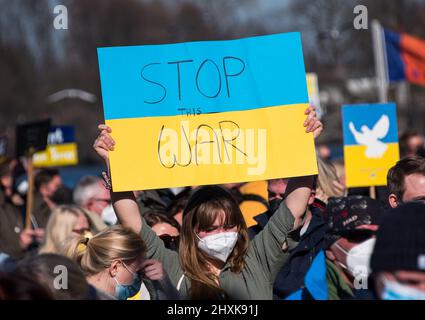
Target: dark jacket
x=11, y=225
x=41, y=211
x=367, y=294
x=158, y=200
x=291, y=277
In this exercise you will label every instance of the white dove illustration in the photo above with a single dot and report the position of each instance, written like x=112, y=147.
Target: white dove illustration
x=370, y=138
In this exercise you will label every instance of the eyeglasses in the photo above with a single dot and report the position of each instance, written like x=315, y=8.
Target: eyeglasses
x=108, y=201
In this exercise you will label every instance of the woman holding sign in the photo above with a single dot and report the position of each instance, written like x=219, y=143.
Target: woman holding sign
x=215, y=258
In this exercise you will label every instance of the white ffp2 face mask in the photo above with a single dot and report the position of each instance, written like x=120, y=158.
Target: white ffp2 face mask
x=108, y=215
x=219, y=245
x=358, y=258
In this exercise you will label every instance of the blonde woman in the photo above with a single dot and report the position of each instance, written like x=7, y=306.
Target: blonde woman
x=113, y=261
x=64, y=223
x=328, y=184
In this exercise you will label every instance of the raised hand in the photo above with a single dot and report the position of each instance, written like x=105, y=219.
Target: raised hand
x=313, y=124
x=104, y=142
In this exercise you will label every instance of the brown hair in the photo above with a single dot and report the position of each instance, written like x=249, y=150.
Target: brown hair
x=44, y=176
x=403, y=168
x=113, y=243
x=203, y=207
x=43, y=270
x=404, y=141
x=154, y=217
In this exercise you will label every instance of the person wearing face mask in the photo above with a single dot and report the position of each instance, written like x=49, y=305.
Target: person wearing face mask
x=91, y=194
x=251, y=197
x=46, y=183
x=352, y=225
x=293, y=280
x=398, y=259
x=276, y=192
x=113, y=261
x=11, y=219
x=216, y=260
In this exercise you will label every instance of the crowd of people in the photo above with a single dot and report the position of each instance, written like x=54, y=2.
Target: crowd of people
x=302, y=238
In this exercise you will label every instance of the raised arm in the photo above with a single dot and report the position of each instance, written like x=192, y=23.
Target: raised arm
x=298, y=190
x=127, y=210
x=297, y=194
x=125, y=205
x=128, y=213
x=271, y=247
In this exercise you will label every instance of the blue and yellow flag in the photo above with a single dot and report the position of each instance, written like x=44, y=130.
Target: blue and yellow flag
x=370, y=143
x=206, y=112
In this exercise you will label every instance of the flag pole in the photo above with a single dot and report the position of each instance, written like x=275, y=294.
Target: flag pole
x=380, y=54
x=381, y=70
x=30, y=191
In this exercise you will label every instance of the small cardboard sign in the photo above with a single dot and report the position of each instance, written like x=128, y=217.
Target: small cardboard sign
x=31, y=137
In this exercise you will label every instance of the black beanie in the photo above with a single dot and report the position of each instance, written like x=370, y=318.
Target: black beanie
x=400, y=241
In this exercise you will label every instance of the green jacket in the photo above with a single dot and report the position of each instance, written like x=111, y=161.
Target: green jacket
x=263, y=260
x=338, y=289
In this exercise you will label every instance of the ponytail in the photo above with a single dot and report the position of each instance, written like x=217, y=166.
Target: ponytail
x=114, y=243
x=76, y=248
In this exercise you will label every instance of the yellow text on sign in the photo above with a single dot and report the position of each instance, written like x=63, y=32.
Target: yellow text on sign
x=362, y=171
x=238, y=146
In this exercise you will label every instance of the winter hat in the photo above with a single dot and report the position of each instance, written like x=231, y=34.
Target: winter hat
x=400, y=242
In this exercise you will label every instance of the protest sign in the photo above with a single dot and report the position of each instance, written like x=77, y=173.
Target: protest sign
x=206, y=112
x=31, y=137
x=314, y=94
x=61, y=148
x=370, y=143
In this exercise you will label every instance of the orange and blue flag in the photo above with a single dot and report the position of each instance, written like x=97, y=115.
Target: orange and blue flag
x=405, y=57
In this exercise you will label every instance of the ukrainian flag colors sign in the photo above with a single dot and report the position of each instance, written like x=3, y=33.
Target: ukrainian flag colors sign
x=370, y=143
x=206, y=112
x=61, y=148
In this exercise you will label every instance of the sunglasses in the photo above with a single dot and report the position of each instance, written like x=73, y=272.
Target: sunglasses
x=169, y=240
x=276, y=195
x=108, y=201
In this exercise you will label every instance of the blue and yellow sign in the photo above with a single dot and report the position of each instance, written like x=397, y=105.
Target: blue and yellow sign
x=206, y=112
x=61, y=148
x=370, y=143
